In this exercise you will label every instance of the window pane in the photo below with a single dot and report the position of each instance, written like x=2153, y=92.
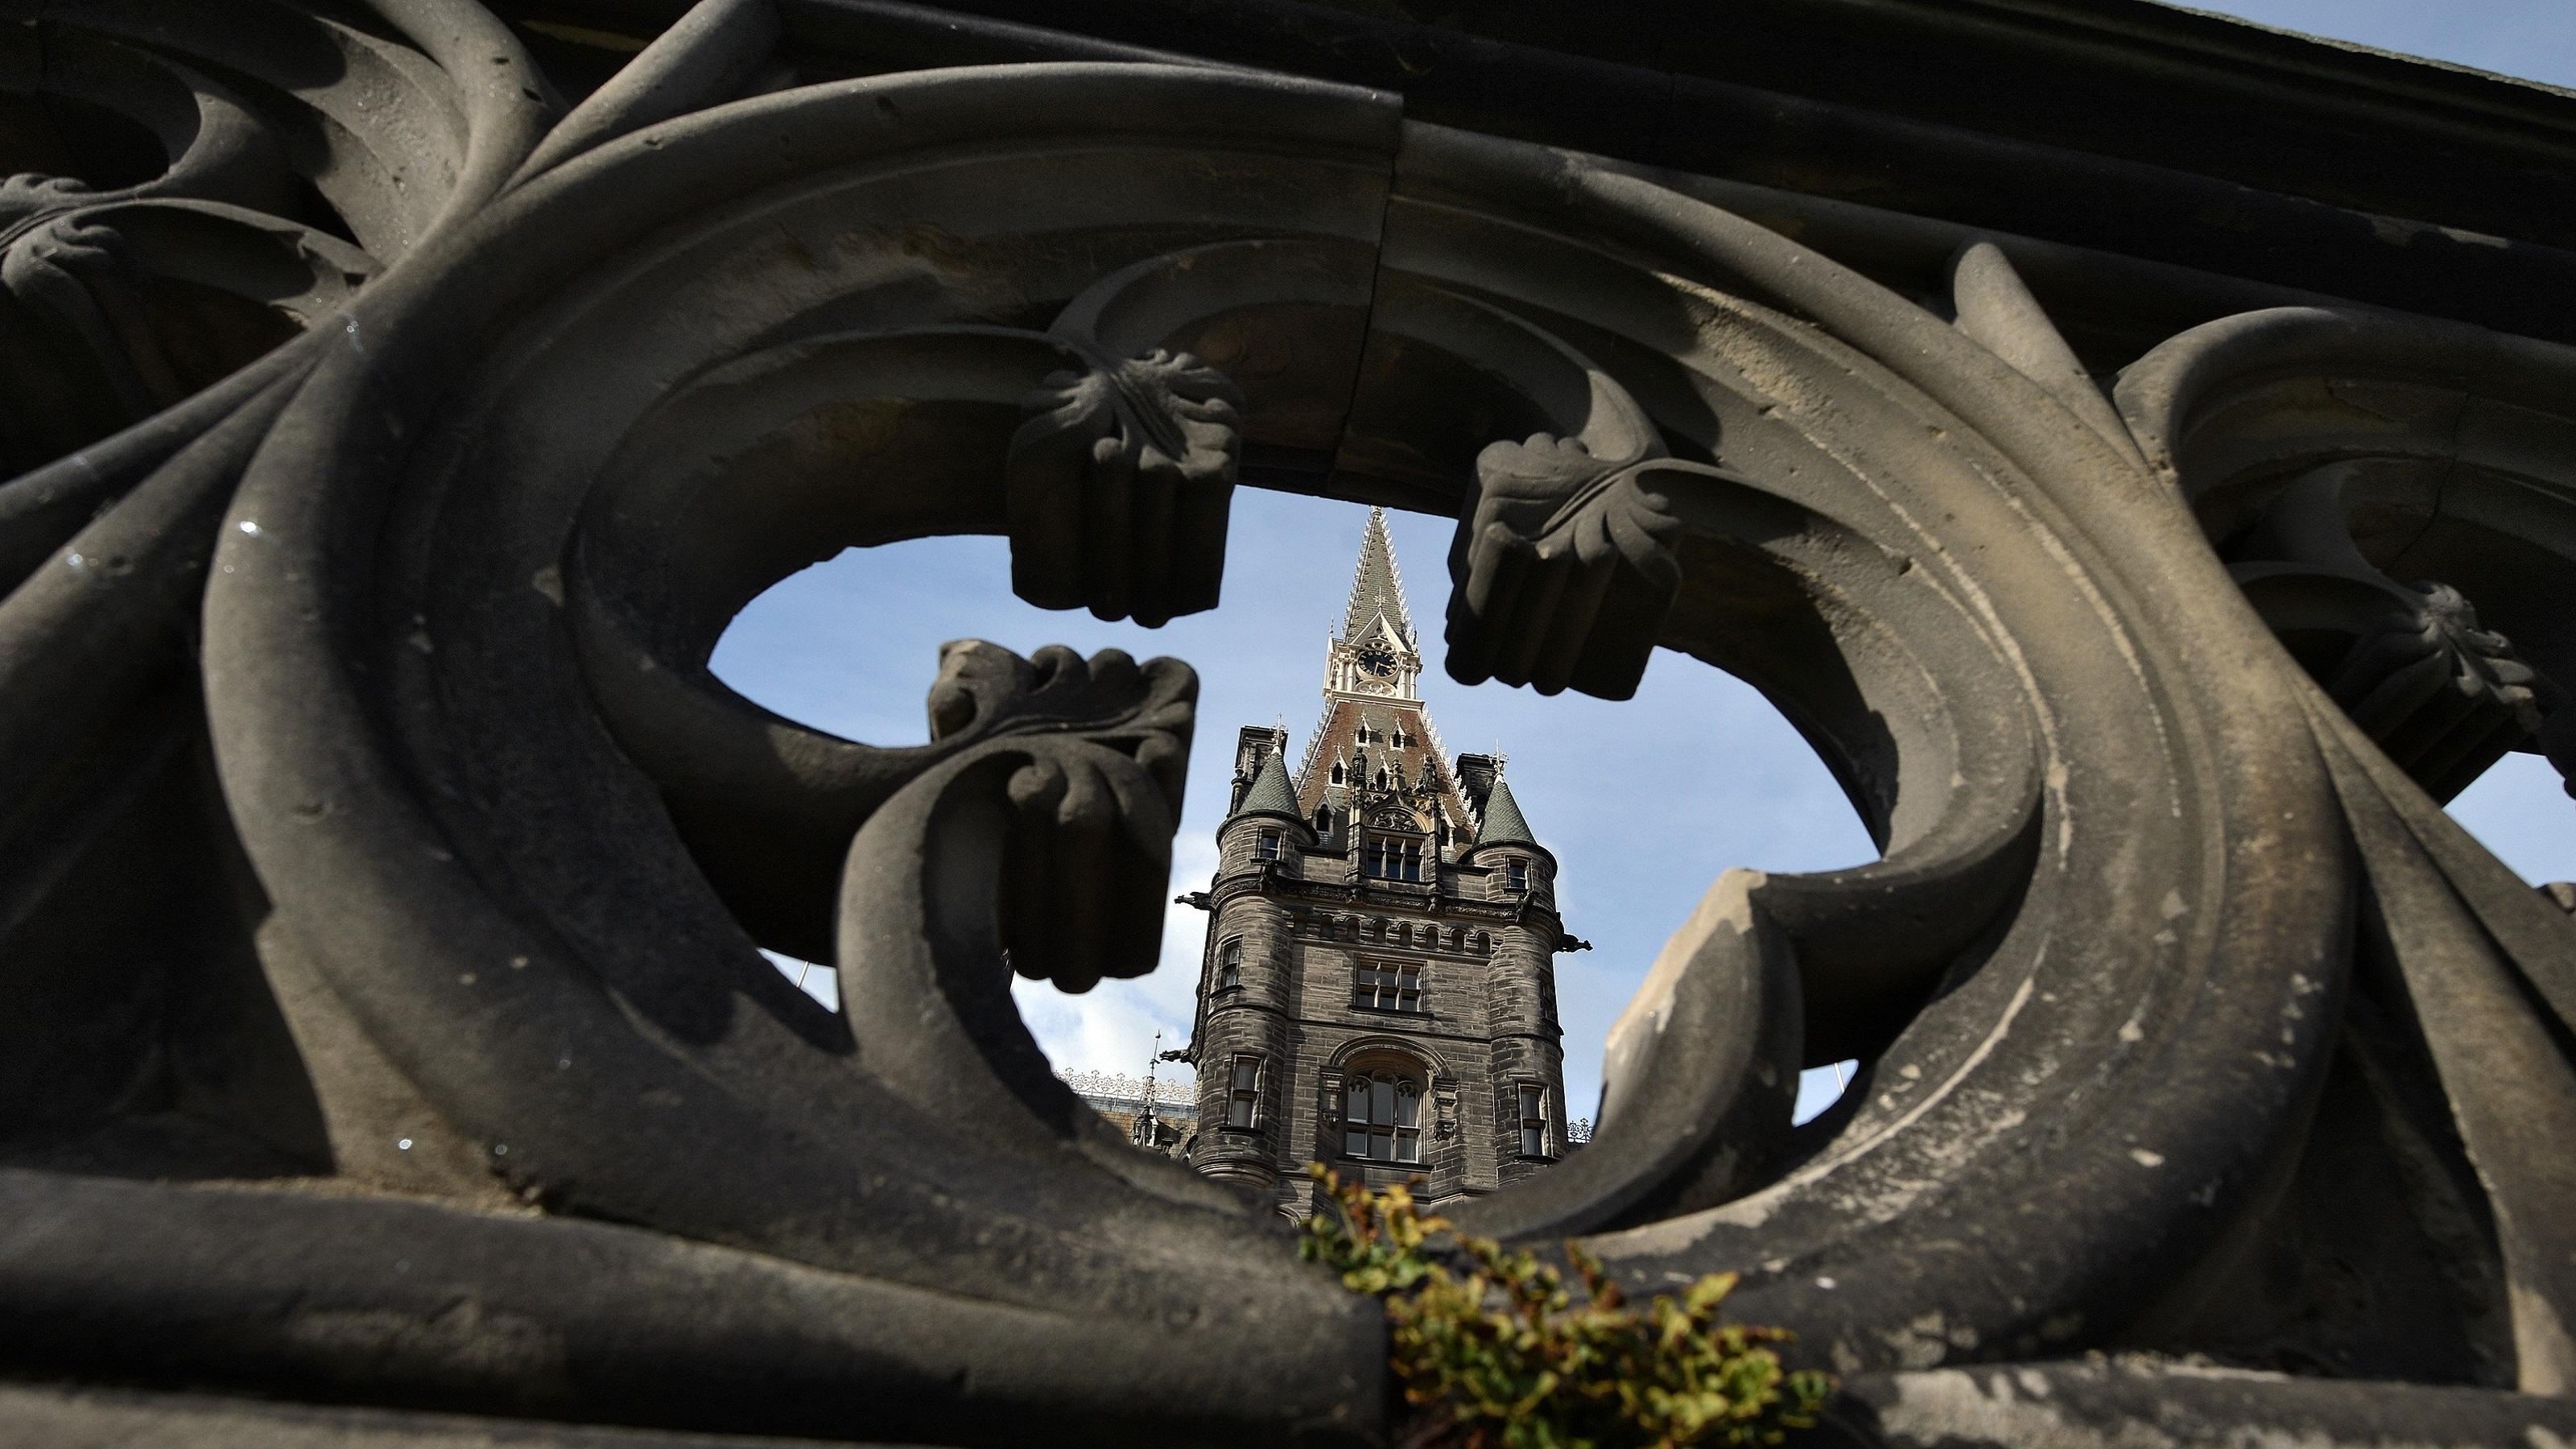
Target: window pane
x=1408, y=1147
x=1357, y=1111
x=1382, y=1102
x=1382, y=1146
x=1408, y=1107
x=1355, y=1143
x=1247, y=1074
x=1533, y=1142
x=1238, y=1113
x=1529, y=1102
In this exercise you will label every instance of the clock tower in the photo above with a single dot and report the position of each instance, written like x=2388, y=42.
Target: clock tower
x=1378, y=987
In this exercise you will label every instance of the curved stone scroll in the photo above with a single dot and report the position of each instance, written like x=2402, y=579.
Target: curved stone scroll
x=467, y=854
x=2130, y=1020
x=529, y=1009
x=2435, y=450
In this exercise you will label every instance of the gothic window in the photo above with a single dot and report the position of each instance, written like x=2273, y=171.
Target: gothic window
x=1533, y=1109
x=1265, y=846
x=1384, y=986
x=1229, y=964
x=1381, y=777
x=1243, y=1093
x=1516, y=877
x=1323, y=821
x=1337, y=772
x=1382, y=1117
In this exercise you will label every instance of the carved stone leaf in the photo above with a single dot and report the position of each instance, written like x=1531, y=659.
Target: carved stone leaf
x=1119, y=486
x=1102, y=745
x=2441, y=696
x=1565, y=569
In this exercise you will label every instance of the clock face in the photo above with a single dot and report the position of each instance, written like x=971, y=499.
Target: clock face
x=1377, y=661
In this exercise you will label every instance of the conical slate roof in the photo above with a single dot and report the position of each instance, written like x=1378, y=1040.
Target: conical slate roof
x=1376, y=588
x=1270, y=792
x=1504, y=824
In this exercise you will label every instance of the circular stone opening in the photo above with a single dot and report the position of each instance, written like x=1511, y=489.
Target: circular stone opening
x=1643, y=802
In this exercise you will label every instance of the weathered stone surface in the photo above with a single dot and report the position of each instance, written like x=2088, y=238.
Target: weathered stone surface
x=381, y=867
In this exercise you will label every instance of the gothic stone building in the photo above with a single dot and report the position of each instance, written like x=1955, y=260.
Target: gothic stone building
x=1378, y=990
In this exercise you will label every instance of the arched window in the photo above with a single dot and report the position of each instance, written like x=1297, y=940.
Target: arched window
x=1323, y=816
x=1382, y=1116
x=1337, y=772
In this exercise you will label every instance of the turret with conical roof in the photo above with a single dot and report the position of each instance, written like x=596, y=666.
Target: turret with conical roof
x=1378, y=987
x=1503, y=823
x=1271, y=794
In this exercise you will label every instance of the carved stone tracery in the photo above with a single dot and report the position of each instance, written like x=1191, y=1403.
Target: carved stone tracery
x=458, y=854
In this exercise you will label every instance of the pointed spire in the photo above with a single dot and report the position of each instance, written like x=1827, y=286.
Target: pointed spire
x=1504, y=824
x=1376, y=588
x=1270, y=793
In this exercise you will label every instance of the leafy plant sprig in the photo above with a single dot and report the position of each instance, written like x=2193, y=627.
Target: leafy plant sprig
x=1502, y=1357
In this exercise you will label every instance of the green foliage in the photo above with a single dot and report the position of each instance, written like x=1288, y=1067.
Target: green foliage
x=1502, y=1357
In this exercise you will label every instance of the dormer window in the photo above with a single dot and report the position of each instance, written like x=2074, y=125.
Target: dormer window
x=1391, y=859
x=1323, y=821
x=1337, y=772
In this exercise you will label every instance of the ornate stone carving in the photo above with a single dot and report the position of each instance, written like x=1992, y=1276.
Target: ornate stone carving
x=2442, y=697
x=1119, y=485
x=1569, y=570
x=382, y=870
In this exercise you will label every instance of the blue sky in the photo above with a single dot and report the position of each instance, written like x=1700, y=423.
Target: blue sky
x=1644, y=802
